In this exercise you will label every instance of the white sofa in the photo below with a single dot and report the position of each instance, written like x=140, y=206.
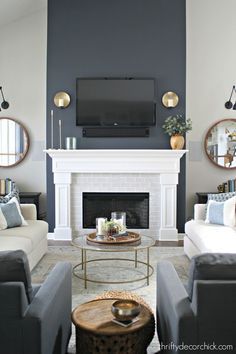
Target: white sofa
x=31, y=238
x=201, y=237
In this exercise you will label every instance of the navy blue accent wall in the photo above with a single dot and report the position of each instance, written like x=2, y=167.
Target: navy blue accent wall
x=110, y=38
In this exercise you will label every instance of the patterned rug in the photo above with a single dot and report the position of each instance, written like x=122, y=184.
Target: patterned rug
x=112, y=270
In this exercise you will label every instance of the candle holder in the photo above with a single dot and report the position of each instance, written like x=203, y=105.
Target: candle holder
x=119, y=217
x=71, y=143
x=100, y=226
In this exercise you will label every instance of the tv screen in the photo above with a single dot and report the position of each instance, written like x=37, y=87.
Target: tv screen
x=115, y=102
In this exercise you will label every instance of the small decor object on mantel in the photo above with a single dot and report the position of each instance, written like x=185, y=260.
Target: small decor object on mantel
x=176, y=126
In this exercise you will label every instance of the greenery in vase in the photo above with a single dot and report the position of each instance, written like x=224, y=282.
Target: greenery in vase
x=113, y=224
x=177, y=125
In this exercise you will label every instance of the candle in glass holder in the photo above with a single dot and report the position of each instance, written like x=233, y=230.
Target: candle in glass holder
x=100, y=223
x=120, y=217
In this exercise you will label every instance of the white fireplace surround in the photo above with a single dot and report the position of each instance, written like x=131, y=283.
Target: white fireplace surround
x=165, y=163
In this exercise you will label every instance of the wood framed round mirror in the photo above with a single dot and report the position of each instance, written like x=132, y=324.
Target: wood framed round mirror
x=14, y=142
x=220, y=143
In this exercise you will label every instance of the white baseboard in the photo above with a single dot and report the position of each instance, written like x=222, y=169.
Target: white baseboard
x=181, y=236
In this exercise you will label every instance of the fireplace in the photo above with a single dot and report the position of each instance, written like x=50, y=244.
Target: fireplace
x=136, y=206
x=151, y=171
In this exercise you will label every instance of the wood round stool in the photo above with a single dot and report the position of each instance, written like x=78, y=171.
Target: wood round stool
x=96, y=333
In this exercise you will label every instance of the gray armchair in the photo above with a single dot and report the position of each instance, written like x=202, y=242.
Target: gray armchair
x=204, y=312
x=33, y=319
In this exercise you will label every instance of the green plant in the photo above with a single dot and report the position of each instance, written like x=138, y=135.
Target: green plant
x=113, y=224
x=177, y=125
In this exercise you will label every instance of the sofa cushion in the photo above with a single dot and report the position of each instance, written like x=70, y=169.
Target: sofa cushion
x=222, y=213
x=211, y=237
x=15, y=243
x=34, y=232
x=211, y=266
x=14, y=266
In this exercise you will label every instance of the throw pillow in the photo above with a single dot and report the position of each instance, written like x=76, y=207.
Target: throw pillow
x=222, y=213
x=9, y=196
x=14, y=266
x=220, y=197
x=211, y=266
x=10, y=215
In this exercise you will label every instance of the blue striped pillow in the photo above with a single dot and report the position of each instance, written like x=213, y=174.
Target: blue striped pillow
x=221, y=213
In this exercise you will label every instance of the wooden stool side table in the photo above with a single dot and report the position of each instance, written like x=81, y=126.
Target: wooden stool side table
x=96, y=333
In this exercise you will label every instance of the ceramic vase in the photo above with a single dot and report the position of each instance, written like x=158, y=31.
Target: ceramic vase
x=177, y=142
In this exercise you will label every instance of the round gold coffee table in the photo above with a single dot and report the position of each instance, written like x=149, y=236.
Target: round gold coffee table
x=81, y=242
x=96, y=333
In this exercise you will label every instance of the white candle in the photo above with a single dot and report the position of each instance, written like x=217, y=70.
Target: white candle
x=60, y=133
x=51, y=129
x=100, y=225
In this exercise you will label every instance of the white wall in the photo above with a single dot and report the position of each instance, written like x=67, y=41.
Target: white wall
x=211, y=73
x=23, y=78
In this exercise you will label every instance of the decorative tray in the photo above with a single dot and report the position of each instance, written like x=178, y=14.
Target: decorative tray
x=114, y=240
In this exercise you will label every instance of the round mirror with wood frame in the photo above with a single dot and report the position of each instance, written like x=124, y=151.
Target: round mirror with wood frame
x=14, y=142
x=220, y=143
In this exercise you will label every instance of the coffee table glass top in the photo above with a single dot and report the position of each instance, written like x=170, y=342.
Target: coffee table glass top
x=81, y=242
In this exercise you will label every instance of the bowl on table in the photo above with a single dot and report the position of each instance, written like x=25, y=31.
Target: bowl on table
x=125, y=310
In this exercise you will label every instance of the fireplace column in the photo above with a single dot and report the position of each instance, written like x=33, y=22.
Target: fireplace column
x=62, y=183
x=168, y=230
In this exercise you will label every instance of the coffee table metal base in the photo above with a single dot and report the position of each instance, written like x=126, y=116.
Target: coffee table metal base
x=84, y=276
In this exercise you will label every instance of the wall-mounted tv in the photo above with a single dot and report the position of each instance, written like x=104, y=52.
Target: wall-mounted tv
x=109, y=102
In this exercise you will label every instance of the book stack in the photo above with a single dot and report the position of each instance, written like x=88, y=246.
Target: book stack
x=229, y=186
x=6, y=186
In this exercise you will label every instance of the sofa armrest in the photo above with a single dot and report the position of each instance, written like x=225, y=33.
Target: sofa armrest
x=176, y=322
x=29, y=211
x=48, y=317
x=199, y=211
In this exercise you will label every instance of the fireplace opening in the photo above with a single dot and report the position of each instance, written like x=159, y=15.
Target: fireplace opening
x=136, y=206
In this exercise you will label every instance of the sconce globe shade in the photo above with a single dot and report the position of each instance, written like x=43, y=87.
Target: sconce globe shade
x=170, y=99
x=5, y=105
x=62, y=99
x=228, y=105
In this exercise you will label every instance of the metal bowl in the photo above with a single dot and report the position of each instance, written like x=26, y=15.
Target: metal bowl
x=125, y=310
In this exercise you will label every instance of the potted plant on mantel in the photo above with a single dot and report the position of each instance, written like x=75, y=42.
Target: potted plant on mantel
x=176, y=126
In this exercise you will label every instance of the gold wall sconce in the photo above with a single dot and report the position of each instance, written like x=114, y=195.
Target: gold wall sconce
x=170, y=99
x=62, y=99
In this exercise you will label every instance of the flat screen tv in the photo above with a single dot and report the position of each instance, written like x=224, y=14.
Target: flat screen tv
x=115, y=102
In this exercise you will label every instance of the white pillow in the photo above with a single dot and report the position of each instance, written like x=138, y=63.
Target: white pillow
x=11, y=216
x=221, y=213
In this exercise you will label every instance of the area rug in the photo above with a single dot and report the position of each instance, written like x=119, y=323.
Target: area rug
x=112, y=270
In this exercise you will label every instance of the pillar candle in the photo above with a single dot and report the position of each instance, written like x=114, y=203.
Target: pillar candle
x=51, y=129
x=60, y=133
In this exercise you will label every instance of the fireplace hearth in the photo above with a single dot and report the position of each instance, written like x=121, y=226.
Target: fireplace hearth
x=136, y=206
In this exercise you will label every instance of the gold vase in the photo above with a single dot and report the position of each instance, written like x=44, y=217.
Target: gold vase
x=177, y=142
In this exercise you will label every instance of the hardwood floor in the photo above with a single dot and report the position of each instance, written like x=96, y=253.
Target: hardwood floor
x=179, y=243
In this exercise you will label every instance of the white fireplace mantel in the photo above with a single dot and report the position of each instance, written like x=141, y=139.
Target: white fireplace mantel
x=166, y=163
